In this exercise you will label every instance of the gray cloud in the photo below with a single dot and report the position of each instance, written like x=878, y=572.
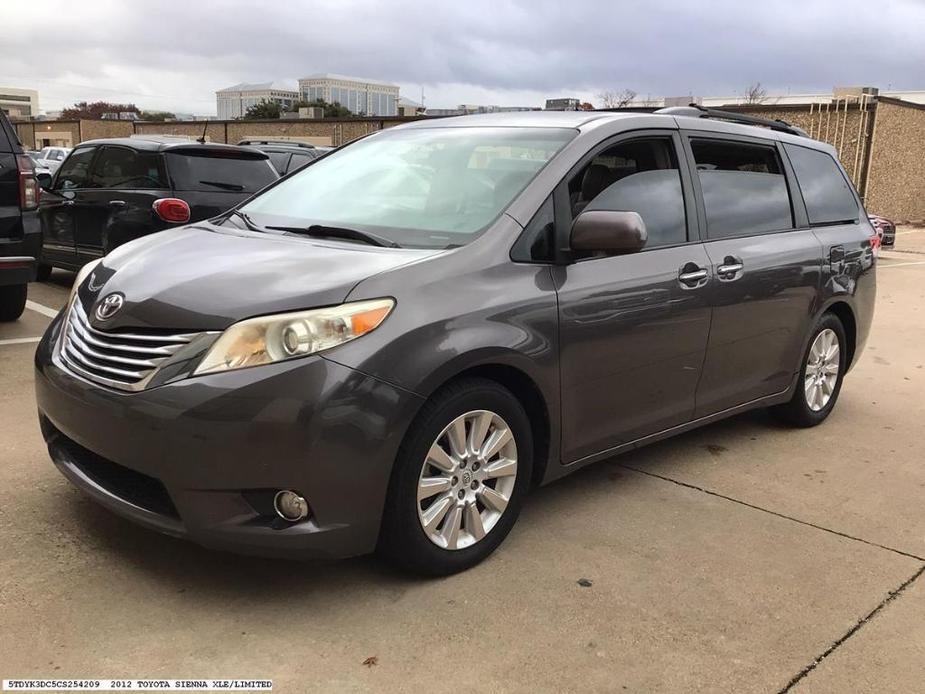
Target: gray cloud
x=176, y=54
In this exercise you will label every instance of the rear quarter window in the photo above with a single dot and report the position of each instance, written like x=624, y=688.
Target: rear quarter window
x=218, y=172
x=826, y=192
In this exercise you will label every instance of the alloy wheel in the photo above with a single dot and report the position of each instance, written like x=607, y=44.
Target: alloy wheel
x=822, y=365
x=467, y=479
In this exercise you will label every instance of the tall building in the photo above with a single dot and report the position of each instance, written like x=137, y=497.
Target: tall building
x=361, y=96
x=19, y=103
x=233, y=102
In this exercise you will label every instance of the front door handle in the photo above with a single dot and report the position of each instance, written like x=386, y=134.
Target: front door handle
x=117, y=203
x=692, y=275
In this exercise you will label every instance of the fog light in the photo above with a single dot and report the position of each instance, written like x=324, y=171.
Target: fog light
x=290, y=506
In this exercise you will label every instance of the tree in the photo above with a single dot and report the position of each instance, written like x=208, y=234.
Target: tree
x=586, y=106
x=755, y=94
x=263, y=111
x=156, y=115
x=612, y=99
x=96, y=110
x=334, y=110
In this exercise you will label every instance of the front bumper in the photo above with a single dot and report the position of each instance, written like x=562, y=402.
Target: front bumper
x=199, y=458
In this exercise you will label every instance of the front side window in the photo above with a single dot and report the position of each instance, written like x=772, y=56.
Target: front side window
x=826, y=192
x=75, y=171
x=121, y=167
x=639, y=176
x=426, y=187
x=744, y=188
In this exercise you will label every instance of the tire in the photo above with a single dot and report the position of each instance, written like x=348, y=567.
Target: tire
x=799, y=411
x=403, y=539
x=43, y=273
x=12, y=302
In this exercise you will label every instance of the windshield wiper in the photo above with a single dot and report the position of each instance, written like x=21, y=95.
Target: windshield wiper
x=248, y=222
x=323, y=231
x=226, y=186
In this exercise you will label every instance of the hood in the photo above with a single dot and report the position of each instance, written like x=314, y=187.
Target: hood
x=205, y=277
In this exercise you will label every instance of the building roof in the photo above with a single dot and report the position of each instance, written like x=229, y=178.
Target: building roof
x=345, y=78
x=277, y=86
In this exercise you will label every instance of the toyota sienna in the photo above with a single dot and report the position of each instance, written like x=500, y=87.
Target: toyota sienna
x=386, y=349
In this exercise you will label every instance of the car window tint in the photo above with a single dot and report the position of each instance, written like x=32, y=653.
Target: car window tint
x=122, y=167
x=75, y=171
x=744, y=188
x=280, y=161
x=216, y=173
x=825, y=189
x=639, y=176
x=56, y=155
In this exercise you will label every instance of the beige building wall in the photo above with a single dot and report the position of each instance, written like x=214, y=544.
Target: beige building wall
x=896, y=184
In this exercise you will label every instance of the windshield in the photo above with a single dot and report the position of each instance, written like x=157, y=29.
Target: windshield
x=427, y=187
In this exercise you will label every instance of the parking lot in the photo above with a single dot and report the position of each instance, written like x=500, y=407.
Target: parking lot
x=740, y=557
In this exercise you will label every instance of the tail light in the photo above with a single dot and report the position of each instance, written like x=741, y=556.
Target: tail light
x=172, y=210
x=29, y=189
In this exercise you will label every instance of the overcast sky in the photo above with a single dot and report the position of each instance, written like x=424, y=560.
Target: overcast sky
x=173, y=55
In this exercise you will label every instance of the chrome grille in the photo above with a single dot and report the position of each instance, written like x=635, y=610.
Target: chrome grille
x=124, y=360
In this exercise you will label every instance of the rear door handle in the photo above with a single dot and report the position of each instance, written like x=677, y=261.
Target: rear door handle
x=692, y=275
x=730, y=268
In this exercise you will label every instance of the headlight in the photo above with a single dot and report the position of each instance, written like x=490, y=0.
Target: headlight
x=284, y=336
x=82, y=274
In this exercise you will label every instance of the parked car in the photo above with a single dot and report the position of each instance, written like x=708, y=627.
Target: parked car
x=108, y=192
x=886, y=230
x=19, y=229
x=51, y=157
x=285, y=155
x=353, y=360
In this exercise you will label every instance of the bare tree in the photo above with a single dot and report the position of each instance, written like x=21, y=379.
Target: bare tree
x=612, y=99
x=755, y=94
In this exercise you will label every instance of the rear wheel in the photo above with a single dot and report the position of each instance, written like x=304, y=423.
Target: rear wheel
x=820, y=376
x=459, y=480
x=12, y=301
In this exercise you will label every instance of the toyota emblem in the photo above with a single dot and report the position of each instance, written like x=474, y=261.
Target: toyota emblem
x=109, y=306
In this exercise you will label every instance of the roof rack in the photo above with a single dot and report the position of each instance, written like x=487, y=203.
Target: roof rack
x=697, y=111
x=270, y=141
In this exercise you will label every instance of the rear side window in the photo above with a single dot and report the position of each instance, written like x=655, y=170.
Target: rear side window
x=122, y=167
x=75, y=171
x=208, y=172
x=744, y=188
x=826, y=192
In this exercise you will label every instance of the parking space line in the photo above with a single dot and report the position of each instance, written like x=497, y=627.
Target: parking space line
x=19, y=341
x=911, y=262
x=39, y=308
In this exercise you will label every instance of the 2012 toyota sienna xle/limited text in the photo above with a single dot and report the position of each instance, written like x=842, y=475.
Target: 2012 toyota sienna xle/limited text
x=386, y=349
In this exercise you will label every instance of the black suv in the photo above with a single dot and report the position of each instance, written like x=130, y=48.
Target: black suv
x=19, y=229
x=108, y=192
x=287, y=155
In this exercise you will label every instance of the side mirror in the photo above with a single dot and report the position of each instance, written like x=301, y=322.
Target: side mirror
x=608, y=231
x=44, y=180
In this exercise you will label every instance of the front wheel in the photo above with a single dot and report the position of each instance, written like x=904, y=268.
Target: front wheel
x=821, y=375
x=459, y=481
